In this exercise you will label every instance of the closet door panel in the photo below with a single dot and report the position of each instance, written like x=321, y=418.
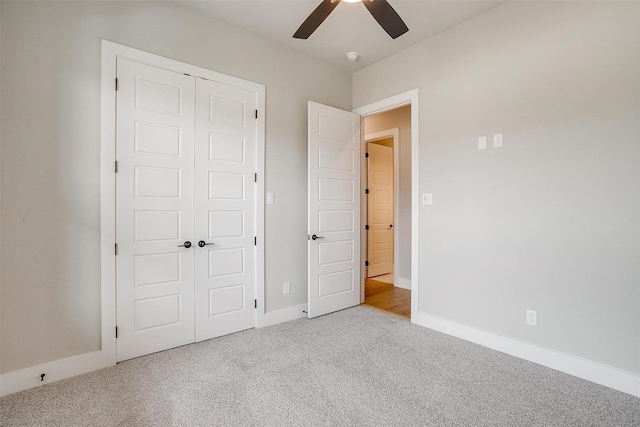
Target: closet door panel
x=154, y=209
x=225, y=159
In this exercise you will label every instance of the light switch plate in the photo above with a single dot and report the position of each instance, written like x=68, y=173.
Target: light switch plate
x=497, y=140
x=482, y=143
x=270, y=199
x=427, y=198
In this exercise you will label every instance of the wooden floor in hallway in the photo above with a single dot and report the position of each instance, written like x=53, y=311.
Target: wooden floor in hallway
x=387, y=297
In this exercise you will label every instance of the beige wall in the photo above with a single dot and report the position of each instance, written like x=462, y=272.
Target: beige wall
x=551, y=221
x=50, y=53
x=399, y=118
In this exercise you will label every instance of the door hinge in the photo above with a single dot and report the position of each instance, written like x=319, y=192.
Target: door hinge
x=116, y=251
x=255, y=177
x=366, y=263
x=256, y=114
x=116, y=167
x=255, y=303
x=366, y=154
x=366, y=227
x=255, y=240
x=366, y=191
x=116, y=332
x=116, y=84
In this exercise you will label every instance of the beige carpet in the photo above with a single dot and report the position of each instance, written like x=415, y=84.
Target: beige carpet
x=356, y=367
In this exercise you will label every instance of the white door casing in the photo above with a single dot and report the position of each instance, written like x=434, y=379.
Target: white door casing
x=154, y=209
x=333, y=209
x=225, y=193
x=380, y=210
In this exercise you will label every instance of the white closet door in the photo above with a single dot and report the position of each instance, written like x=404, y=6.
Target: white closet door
x=225, y=158
x=380, y=210
x=334, y=209
x=154, y=209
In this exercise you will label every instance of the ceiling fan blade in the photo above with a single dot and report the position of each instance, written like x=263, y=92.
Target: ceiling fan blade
x=387, y=17
x=316, y=18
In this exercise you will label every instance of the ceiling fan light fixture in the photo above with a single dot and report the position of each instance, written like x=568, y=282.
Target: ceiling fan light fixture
x=352, y=1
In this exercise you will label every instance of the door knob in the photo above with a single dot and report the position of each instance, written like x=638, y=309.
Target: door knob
x=391, y=226
x=202, y=243
x=187, y=245
x=314, y=237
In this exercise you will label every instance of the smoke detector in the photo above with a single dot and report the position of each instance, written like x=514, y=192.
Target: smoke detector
x=352, y=56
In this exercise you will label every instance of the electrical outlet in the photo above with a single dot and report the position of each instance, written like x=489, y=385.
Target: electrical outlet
x=532, y=317
x=286, y=288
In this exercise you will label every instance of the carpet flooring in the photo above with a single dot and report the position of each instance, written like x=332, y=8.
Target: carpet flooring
x=356, y=367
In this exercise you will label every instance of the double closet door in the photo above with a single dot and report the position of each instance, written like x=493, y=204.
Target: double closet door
x=185, y=209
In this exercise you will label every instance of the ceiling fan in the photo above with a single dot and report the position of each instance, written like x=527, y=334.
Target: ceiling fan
x=381, y=11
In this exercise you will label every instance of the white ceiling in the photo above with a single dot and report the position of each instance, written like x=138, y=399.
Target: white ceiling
x=350, y=27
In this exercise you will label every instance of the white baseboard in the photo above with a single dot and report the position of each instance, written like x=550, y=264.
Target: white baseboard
x=283, y=315
x=402, y=282
x=24, y=379
x=598, y=373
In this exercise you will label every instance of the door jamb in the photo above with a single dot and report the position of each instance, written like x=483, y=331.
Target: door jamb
x=110, y=52
x=393, y=102
x=393, y=133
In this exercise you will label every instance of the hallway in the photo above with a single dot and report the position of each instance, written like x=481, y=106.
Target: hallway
x=385, y=296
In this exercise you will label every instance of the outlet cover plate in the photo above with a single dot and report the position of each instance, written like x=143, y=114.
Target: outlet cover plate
x=532, y=318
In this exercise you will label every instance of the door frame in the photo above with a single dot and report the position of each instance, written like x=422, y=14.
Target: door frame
x=393, y=133
x=400, y=100
x=110, y=52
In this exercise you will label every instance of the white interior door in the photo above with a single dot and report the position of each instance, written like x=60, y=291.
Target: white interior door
x=380, y=210
x=225, y=209
x=154, y=209
x=334, y=209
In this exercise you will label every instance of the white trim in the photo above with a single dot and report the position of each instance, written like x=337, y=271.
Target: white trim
x=407, y=98
x=598, y=373
x=284, y=315
x=107, y=201
x=24, y=379
x=393, y=133
x=402, y=282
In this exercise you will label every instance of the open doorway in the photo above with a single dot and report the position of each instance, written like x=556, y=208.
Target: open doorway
x=387, y=210
x=336, y=262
